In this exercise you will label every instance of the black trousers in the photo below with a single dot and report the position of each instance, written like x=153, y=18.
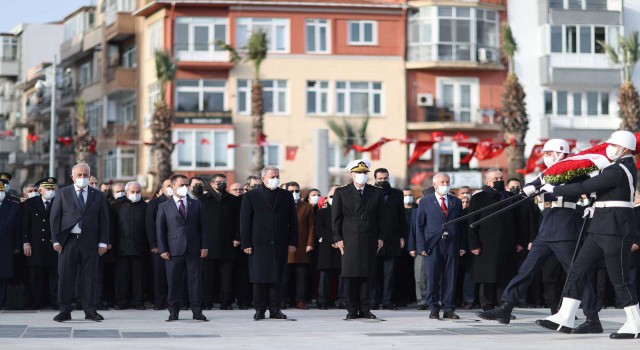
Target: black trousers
x=614, y=250
x=324, y=284
x=83, y=263
x=382, y=280
x=490, y=294
x=633, y=278
x=176, y=268
x=129, y=282
x=356, y=294
x=44, y=285
x=217, y=270
x=267, y=295
x=160, y=286
x=298, y=276
x=242, y=284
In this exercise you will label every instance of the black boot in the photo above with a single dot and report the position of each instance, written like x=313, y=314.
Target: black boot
x=501, y=314
x=591, y=326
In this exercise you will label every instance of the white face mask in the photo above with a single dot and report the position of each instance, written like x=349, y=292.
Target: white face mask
x=33, y=194
x=296, y=196
x=583, y=202
x=168, y=192
x=443, y=190
x=361, y=178
x=549, y=161
x=273, y=183
x=182, y=191
x=82, y=182
x=119, y=194
x=134, y=197
x=408, y=200
x=313, y=200
x=49, y=194
x=612, y=152
x=330, y=200
x=2, y=195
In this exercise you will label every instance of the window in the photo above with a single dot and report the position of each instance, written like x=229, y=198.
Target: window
x=203, y=149
x=154, y=95
x=358, y=98
x=576, y=103
x=317, y=97
x=277, y=30
x=274, y=94
x=592, y=5
x=561, y=99
x=196, y=38
x=338, y=160
x=73, y=26
x=317, y=35
x=155, y=38
x=9, y=48
x=127, y=113
x=272, y=155
x=93, y=111
x=460, y=97
x=85, y=74
x=363, y=32
x=582, y=39
x=129, y=57
x=548, y=102
x=206, y=95
x=120, y=164
x=556, y=38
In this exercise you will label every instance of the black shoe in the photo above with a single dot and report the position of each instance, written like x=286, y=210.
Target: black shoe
x=172, y=317
x=553, y=326
x=434, y=315
x=139, y=307
x=243, y=307
x=159, y=307
x=422, y=307
x=590, y=326
x=450, y=315
x=501, y=314
x=389, y=307
x=94, y=316
x=368, y=315
x=226, y=307
x=200, y=317
x=323, y=307
x=277, y=314
x=101, y=306
x=467, y=306
x=120, y=307
x=352, y=316
x=63, y=316
x=623, y=336
x=259, y=315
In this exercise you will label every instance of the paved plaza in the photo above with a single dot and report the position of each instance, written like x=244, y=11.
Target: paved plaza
x=313, y=329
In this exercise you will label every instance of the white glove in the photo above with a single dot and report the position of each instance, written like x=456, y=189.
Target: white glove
x=547, y=188
x=588, y=212
x=529, y=190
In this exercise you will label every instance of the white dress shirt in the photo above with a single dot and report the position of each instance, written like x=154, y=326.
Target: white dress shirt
x=439, y=199
x=178, y=200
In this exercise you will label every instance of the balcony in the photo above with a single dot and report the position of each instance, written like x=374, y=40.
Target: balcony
x=92, y=38
x=8, y=68
x=119, y=79
x=581, y=128
x=6, y=107
x=121, y=25
x=581, y=12
x=71, y=48
x=9, y=144
x=450, y=56
x=578, y=69
x=442, y=118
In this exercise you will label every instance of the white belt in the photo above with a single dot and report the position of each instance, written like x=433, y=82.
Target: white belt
x=555, y=204
x=613, y=204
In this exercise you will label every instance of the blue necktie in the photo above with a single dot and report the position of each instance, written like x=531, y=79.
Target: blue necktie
x=182, y=210
x=82, y=205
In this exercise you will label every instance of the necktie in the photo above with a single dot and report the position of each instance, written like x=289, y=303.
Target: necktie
x=443, y=207
x=46, y=206
x=81, y=203
x=182, y=210
x=360, y=191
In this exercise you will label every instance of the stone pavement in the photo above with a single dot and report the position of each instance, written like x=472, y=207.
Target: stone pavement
x=314, y=329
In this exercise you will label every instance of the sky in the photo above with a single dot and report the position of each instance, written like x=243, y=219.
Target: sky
x=15, y=12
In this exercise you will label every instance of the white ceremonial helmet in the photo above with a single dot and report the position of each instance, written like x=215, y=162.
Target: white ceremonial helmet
x=556, y=145
x=623, y=138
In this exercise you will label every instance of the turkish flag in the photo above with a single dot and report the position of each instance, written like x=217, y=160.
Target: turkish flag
x=291, y=152
x=534, y=158
x=460, y=137
x=437, y=136
x=371, y=148
x=33, y=138
x=472, y=150
x=205, y=141
x=417, y=178
x=179, y=142
x=375, y=154
x=262, y=140
x=418, y=151
x=233, y=145
x=121, y=143
x=488, y=150
x=65, y=140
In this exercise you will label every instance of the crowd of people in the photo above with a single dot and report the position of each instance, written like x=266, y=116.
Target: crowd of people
x=267, y=245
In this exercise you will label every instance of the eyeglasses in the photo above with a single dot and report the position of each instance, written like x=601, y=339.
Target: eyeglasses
x=236, y=189
x=295, y=191
x=219, y=182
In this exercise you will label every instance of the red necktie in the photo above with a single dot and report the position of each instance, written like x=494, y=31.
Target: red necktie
x=443, y=207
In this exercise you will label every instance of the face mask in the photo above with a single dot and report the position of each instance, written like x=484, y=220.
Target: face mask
x=221, y=187
x=548, y=161
x=313, y=200
x=253, y=187
x=2, y=195
x=33, y=194
x=408, y=200
x=107, y=193
x=612, y=152
x=361, y=178
x=49, y=194
x=443, y=190
x=273, y=183
x=82, y=182
x=514, y=190
x=383, y=184
x=584, y=202
x=182, y=191
x=119, y=194
x=330, y=201
x=498, y=185
x=134, y=197
x=168, y=192
x=296, y=196
x=197, y=190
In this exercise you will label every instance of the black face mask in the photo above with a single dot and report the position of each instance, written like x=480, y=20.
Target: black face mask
x=253, y=187
x=383, y=184
x=108, y=194
x=197, y=190
x=515, y=190
x=498, y=185
x=221, y=187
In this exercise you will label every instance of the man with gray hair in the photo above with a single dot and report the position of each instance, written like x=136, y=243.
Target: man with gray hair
x=80, y=233
x=130, y=246
x=269, y=231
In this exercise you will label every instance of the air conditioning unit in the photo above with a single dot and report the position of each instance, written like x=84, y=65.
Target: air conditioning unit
x=425, y=100
x=485, y=55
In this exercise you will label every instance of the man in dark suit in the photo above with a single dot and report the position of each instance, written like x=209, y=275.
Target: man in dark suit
x=393, y=228
x=440, y=245
x=269, y=231
x=182, y=241
x=9, y=221
x=80, y=234
x=36, y=245
x=157, y=263
x=356, y=213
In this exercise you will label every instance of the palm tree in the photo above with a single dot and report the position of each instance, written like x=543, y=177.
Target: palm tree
x=347, y=133
x=513, y=116
x=83, y=140
x=257, y=47
x=626, y=54
x=161, y=132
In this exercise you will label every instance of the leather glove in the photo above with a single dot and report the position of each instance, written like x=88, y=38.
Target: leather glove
x=547, y=188
x=529, y=190
x=588, y=212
